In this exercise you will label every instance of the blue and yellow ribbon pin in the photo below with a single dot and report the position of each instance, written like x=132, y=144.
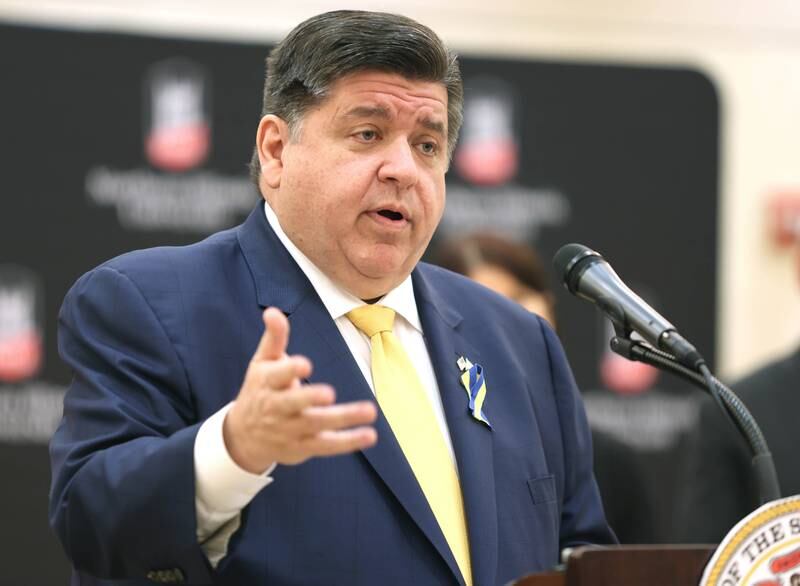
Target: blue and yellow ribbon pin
x=475, y=384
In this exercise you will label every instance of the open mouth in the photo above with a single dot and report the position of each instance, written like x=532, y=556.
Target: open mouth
x=395, y=216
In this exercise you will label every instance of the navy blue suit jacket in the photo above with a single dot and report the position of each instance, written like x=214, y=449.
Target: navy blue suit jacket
x=160, y=339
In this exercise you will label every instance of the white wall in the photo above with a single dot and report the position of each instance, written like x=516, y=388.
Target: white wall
x=750, y=48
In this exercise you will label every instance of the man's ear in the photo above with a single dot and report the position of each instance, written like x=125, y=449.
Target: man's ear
x=271, y=137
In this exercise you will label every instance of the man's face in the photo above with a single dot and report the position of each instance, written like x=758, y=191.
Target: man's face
x=361, y=189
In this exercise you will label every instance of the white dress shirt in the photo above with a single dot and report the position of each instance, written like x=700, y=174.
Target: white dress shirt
x=222, y=488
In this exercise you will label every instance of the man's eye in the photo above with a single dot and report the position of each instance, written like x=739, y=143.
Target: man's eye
x=367, y=135
x=429, y=148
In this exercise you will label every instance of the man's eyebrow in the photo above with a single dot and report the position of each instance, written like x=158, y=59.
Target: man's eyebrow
x=384, y=114
x=369, y=112
x=433, y=125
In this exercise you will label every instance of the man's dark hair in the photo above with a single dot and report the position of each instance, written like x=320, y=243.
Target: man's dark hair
x=326, y=47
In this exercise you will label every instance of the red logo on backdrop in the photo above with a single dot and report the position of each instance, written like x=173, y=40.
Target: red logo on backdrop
x=178, y=121
x=624, y=376
x=621, y=375
x=784, y=217
x=20, y=334
x=488, y=150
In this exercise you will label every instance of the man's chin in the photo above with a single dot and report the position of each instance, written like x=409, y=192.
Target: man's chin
x=376, y=287
x=374, y=280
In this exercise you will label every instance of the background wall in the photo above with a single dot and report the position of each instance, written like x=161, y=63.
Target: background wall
x=750, y=49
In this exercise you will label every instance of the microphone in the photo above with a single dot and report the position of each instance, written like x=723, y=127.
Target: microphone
x=587, y=275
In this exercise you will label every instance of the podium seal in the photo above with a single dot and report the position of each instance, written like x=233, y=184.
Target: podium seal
x=763, y=549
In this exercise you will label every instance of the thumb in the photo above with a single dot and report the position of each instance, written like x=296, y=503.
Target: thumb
x=272, y=345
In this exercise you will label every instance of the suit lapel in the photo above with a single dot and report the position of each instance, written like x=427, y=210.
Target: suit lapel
x=280, y=283
x=472, y=440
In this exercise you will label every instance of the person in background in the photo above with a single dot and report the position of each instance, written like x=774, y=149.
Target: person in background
x=510, y=268
x=723, y=488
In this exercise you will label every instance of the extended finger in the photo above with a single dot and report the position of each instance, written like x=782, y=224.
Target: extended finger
x=332, y=443
x=276, y=335
x=280, y=374
x=292, y=402
x=339, y=416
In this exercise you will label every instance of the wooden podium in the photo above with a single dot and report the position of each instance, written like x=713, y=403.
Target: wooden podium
x=628, y=565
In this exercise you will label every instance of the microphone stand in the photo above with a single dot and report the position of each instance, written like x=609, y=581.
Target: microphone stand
x=731, y=405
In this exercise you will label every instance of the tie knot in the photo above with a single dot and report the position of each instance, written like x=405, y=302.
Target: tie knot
x=372, y=319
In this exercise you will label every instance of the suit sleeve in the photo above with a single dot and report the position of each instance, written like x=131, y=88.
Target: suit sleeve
x=122, y=498
x=582, y=518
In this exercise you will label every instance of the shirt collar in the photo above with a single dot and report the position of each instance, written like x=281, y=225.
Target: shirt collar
x=336, y=300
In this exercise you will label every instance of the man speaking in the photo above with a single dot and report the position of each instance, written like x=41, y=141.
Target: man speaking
x=298, y=400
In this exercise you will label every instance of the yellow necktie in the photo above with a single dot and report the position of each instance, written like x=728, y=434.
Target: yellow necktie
x=408, y=410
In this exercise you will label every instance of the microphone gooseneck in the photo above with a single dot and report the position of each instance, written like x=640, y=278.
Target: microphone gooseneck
x=587, y=275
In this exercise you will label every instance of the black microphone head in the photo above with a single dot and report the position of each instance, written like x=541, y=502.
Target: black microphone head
x=570, y=261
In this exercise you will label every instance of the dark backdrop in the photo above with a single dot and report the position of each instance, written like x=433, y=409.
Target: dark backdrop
x=621, y=158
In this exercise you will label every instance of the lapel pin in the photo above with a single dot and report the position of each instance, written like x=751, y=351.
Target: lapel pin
x=475, y=384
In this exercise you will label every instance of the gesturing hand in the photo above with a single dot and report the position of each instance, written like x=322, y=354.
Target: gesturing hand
x=275, y=418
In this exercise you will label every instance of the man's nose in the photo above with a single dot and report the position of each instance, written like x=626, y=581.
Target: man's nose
x=399, y=164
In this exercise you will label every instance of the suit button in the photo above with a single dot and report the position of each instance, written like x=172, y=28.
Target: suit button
x=170, y=576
